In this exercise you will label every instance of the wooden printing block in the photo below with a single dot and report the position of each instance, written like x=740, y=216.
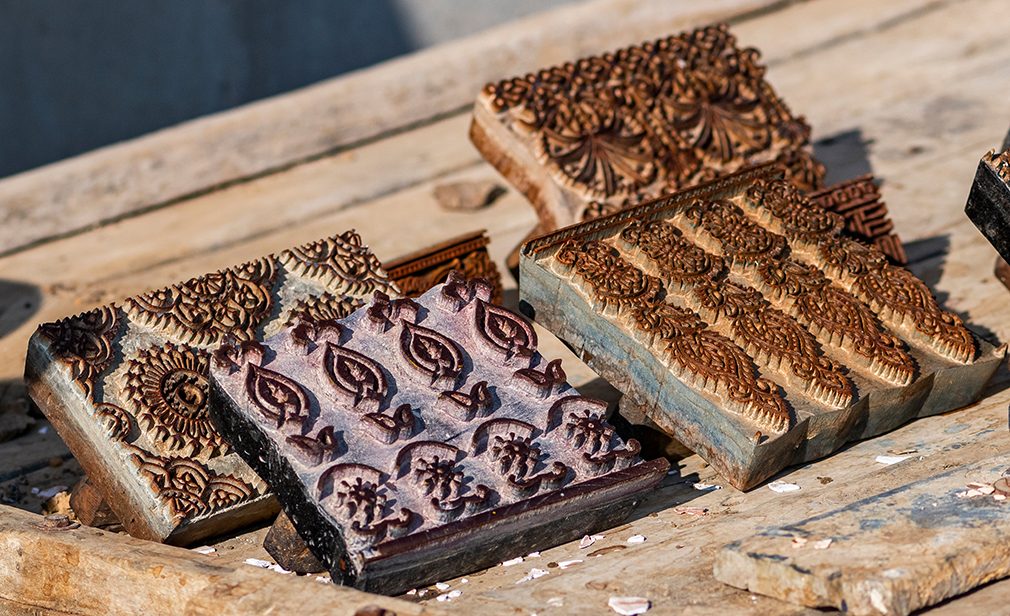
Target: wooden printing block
x=126, y=384
x=603, y=133
x=748, y=327
x=599, y=134
x=866, y=218
x=892, y=553
x=419, y=271
x=989, y=205
x=286, y=546
x=415, y=441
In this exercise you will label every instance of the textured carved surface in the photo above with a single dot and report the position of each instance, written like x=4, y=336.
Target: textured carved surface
x=137, y=380
x=743, y=321
x=902, y=300
x=419, y=271
x=453, y=429
x=866, y=217
x=624, y=127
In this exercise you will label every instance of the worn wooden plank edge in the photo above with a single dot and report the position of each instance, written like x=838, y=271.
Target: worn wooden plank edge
x=269, y=135
x=851, y=575
x=87, y=571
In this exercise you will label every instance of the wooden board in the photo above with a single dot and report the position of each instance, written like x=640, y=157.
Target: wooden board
x=928, y=99
x=87, y=571
x=276, y=133
x=892, y=553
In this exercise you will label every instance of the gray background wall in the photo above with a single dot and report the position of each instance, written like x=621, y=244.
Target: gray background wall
x=76, y=74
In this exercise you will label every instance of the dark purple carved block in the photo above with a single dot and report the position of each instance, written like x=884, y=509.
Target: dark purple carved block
x=418, y=440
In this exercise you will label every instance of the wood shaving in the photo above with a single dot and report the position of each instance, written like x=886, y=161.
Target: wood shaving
x=890, y=459
x=568, y=563
x=629, y=606
x=823, y=544
x=533, y=574
x=514, y=561
x=783, y=487
x=589, y=540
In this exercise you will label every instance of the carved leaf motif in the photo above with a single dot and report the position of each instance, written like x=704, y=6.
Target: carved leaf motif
x=206, y=309
x=387, y=428
x=713, y=362
x=430, y=353
x=465, y=406
x=84, y=343
x=355, y=374
x=277, y=397
x=506, y=332
x=316, y=450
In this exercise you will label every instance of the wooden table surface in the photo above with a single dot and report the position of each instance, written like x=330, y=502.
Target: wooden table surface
x=913, y=91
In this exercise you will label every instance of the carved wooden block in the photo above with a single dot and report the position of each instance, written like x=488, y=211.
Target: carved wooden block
x=127, y=386
x=415, y=441
x=742, y=321
x=419, y=271
x=602, y=133
x=866, y=218
x=893, y=553
x=989, y=200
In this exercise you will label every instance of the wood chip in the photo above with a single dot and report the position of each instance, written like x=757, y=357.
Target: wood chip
x=890, y=459
x=467, y=196
x=783, y=487
x=629, y=606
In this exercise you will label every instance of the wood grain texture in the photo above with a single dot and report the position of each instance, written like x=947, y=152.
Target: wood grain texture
x=892, y=553
x=279, y=132
x=88, y=571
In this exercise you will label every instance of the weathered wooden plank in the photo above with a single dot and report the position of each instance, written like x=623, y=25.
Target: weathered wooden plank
x=443, y=404
x=85, y=571
x=891, y=553
x=281, y=131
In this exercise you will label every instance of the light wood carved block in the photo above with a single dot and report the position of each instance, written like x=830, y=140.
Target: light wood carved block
x=419, y=271
x=892, y=553
x=126, y=385
x=742, y=322
x=601, y=133
x=415, y=441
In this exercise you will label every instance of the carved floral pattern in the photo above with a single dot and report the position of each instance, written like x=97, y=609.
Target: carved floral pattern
x=659, y=116
x=232, y=302
x=763, y=331
x=188, y=487
x=704, y=357
x=169, y=388
x=899, y=297
x=84, y=343
x=343, y=262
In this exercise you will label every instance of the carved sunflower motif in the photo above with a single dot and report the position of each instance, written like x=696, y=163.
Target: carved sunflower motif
x=170, y=389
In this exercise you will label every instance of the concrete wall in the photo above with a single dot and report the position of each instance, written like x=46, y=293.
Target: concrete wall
x=76, y=75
